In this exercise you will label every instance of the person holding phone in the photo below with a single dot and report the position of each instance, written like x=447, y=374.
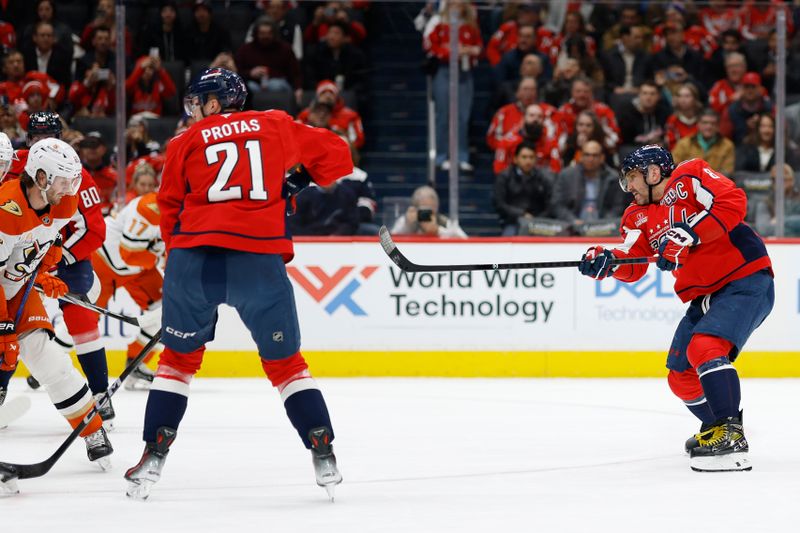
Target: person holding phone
x=423, y=218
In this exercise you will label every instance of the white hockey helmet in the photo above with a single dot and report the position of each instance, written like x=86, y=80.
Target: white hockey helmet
x=6, y=155
x=60, y=163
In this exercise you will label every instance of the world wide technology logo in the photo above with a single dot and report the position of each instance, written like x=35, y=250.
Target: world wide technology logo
x=319, y=285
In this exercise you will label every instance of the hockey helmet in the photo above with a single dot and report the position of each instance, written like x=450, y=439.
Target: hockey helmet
x=44, y=124
x=642, y=158
x=6, y=154
x=226, y=86
x=59, y=162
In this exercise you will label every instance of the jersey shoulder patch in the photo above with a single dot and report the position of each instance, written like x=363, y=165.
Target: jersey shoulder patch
x=10, y=206
x=148, y=208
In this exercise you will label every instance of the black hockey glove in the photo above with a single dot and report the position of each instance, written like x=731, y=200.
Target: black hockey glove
x=294, y=183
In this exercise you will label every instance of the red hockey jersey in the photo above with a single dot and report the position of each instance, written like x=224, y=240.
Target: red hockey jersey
x=715, y=208
x=223, y=177
x=86, y=230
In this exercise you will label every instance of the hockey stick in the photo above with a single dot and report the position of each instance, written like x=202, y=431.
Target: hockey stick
x=401, y=261
x=11, y=471
x=142, y=321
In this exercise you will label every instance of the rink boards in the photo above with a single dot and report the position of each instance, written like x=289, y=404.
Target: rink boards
x=361, y=316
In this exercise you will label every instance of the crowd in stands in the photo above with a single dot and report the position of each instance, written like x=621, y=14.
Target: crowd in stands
x=568, y=104
x=575, y=87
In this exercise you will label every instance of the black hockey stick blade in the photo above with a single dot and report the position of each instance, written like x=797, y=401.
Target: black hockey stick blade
x=9, y=471
x=403, y=263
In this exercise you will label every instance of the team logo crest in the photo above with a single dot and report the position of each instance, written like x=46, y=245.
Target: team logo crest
x=10, y=206
x=46, y=220
x=153, y=206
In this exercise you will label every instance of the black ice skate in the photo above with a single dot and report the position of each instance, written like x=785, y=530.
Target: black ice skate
x=692, y=442
x=147, y=472
x=721, y=448
x=98, y=448
x=324, y=460
x=33, y=382
x=140, y=379
x=106, y=411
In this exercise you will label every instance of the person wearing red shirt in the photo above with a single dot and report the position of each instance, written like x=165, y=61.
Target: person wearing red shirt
x=14, y=73
x=719, y=16
x=343, y=119
x=686, y=110
x=692, y=217
x=148, y=86
x=505, y=38
x=758, y=19
x=582, y=100
x=728, y=90
x=437, y=44
x=226, y=187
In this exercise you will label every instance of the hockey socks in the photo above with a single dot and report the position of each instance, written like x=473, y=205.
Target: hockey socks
x=721, y=385
x=166, y=402
x=702, y=410
x=5, y=378
x=95, y=367
x=306, y=410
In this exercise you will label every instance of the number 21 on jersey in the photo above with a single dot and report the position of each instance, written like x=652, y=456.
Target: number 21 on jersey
x=220, y=191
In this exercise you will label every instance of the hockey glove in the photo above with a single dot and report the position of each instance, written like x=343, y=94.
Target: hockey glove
x=295, y=182
x=51, y=285
x=596, y=263
x=157, y=247
x=674, y=247
x=9, y=345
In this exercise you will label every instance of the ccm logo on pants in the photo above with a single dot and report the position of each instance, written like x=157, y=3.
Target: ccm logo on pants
x=180, y=334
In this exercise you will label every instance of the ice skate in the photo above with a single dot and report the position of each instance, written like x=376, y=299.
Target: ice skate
x=106, y=411
x=8, y=483
x=140, y=379
x=98, y=449
x=722, y=448
x=692, y=442
x=147, y=472
x=33, y=382
x=328, y=475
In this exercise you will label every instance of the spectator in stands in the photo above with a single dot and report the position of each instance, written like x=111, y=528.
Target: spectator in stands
x=137, y=139
x=336, y=59
x=582, y=99
x=224, y=60
x=573, y=35
x=757, y=151
x=10, y=125
x=642, y=120
x=334, y=13
x=718, y=16
x=105, y=17
x=696, y=37
x=558, y=91
x=587, y=128
x=144, y=181
x=93, y=152
x=727, y=90
x=290, y=21
x=268, y=63
x=508, y=67
x=521, y=190
x=35, y=95
x=44, y=56
x=759, y=19
x=537, y=130
x=765, y=62
x=13, y=74
x=686, y=110
x=436, y=44
x=588, y=191
x=531, y=67
x=167, y=35
x=575, y=48
x=741, y=116
x=100, y=56
x=342, y=119
x=506, y=128
x=206, y=39
x=677, y=52
x=46, y=12
x=318, y=115
x=628, y=16
x=8, y=36
x=423, y=218
x=707, y=144
x=149, y=86
x=626, y=64
x=730, y=41
x=765, y=221
x=505, y=38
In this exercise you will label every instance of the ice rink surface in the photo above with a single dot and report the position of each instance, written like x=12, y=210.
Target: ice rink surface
x=421, y=455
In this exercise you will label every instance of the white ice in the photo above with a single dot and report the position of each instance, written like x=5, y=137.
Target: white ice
x=421, y=455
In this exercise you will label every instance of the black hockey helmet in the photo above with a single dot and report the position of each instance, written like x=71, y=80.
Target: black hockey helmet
x=44, y=124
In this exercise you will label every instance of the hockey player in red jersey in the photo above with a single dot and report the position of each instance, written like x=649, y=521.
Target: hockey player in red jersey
x=227, y=183
x=693, y=218
x=81, y=237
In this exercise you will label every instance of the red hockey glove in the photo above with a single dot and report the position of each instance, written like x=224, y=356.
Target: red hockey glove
x=674, y=248
x=51, y=285
x=9, y=345
x=596, y=263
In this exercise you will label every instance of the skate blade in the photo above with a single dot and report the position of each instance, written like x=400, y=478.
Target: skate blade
x=104, y=463
x=9, y=488
x=139, y=489
x=331, y=490
x=732, y=462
